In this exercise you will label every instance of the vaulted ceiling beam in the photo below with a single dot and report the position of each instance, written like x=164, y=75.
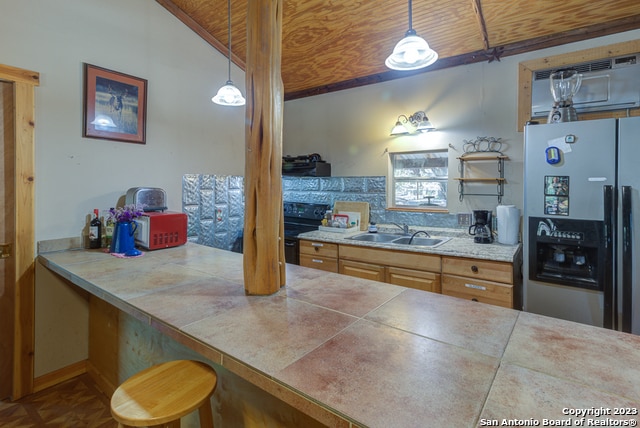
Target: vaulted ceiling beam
x=477, y=9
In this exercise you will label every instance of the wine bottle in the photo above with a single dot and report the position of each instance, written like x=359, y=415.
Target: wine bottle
x=108, y=230
x=95, y=230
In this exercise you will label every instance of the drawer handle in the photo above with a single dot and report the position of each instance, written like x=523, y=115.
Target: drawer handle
x=474, y=269
x=476, y=287
x=314, y=244
x=317, y=261
x=474, y=300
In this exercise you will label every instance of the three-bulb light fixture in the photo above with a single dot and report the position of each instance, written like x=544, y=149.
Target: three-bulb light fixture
x=417, y=122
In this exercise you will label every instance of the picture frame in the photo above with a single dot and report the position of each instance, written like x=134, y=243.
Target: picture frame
x=114, y=105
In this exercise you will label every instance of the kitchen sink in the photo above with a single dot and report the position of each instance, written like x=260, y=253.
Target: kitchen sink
x=421, y=242
x=391, y=238
x=375, y=237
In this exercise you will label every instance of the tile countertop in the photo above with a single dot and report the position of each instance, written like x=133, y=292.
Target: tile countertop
x=373, y=354
x=460, y=245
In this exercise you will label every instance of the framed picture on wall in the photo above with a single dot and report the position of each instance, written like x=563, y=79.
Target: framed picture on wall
x=115, y=105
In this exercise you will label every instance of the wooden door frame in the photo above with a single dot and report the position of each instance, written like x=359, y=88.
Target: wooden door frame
x=24, y=83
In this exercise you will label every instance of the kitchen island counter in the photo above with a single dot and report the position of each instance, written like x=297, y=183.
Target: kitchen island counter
x=353, y=352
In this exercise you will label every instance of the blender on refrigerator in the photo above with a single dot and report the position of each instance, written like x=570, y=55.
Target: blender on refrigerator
x=565, y=83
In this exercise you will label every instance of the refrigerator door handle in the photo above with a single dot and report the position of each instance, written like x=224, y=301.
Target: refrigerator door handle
x=610, y=308
x=627, y=259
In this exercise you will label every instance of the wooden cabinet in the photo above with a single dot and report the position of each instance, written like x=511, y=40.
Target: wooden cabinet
x=496, y=283
x=397, y=258
x=408, y=269
x=481, y=280
x=319, y=255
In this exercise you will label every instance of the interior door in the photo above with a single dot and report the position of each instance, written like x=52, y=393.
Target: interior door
x=17, y=291
x=7, y=232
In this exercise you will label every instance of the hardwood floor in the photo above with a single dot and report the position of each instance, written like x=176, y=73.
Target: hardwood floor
x=76, y=403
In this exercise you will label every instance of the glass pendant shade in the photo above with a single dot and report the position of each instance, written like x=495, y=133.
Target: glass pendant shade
x=229, y=95
x=411, y=53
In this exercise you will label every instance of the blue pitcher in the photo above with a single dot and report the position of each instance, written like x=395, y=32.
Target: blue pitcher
x=123, y=241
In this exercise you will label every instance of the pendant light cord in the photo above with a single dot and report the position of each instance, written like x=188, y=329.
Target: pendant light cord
x=410, y=18
x=229, y=27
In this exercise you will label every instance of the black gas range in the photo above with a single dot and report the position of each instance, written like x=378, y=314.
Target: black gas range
x=300, y=217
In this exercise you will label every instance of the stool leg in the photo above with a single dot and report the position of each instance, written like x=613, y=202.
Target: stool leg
x=205, y=414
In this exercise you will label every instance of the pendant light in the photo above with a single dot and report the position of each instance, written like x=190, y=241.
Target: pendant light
x=229, y=94
x=412, y=52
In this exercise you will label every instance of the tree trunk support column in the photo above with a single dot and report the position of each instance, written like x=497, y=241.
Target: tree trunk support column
x=263, y=248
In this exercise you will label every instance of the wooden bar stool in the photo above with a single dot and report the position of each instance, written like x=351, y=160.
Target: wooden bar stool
x=162, y=394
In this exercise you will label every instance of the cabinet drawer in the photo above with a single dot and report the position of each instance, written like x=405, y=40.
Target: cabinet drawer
x=490, y=292
x=318, y=248
x=362, y=270
x=397, y=258
x=318, y=262
x=427, y=281
x=480, y=269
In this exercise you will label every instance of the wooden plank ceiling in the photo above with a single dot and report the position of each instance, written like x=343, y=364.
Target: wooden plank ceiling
x=330, y=45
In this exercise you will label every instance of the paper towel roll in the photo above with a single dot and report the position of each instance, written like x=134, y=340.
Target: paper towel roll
x=508, y=224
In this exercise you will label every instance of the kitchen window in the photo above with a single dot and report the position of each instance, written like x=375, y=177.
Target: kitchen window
x=419, y=179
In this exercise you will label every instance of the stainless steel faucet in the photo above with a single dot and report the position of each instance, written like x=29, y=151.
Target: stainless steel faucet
x=418, y=232
x=404, y=227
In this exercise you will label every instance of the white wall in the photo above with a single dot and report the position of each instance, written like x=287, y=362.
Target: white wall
x=351, y=128
x=186, y=132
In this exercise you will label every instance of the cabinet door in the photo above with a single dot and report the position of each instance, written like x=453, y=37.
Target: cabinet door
x=427, y=281
x=397, y=258
x=362, y=270
x=328, y=264
x=493, y=293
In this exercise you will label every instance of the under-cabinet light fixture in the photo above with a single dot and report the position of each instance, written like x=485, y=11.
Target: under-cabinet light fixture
x=417, y=122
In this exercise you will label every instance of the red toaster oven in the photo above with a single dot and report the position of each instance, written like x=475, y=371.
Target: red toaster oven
x=161, y=230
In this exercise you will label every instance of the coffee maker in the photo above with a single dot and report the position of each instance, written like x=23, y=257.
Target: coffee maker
x=481, y=228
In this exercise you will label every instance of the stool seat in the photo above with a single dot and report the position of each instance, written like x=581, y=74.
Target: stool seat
x=164, y=393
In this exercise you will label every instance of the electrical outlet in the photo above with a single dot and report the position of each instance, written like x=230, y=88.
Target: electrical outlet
x=464, y=219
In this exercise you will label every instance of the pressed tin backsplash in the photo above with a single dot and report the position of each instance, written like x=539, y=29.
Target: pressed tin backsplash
x=214, y=204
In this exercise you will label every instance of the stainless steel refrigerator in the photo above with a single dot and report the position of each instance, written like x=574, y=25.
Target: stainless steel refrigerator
x=582, y=221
